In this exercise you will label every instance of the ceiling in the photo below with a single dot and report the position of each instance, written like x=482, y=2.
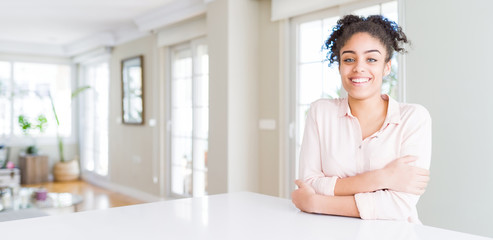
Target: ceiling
x=64, y=22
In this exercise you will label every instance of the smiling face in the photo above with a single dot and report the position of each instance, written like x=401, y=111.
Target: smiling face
x=362, y=66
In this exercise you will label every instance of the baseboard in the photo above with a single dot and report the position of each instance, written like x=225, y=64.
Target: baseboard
x=132, y=192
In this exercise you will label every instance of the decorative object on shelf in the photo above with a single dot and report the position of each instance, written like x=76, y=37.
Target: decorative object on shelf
x=63, y=167
x=132, y=90
x=10, y=165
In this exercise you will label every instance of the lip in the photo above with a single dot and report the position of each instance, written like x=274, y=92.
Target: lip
x=358, y=81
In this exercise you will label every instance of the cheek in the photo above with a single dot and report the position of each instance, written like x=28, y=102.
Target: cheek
x=344, y=71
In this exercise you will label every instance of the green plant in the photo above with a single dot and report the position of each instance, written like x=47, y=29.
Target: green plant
x=75, y=93
x=27, y=126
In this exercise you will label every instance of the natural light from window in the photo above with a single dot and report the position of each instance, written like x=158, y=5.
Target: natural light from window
x=25, y=90
x=189, y=119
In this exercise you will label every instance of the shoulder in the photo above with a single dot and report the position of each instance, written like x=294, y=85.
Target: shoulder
x=414, y=113
x=326, y=104
x=324, y=109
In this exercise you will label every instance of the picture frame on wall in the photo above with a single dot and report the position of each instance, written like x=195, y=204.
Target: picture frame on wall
x=133, y=90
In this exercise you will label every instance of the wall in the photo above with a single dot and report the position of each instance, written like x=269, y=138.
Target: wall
x=233, y=30
x=448, y=72
x=243, y=55
x=217, y=37
x=268, y=102
x=132, y=148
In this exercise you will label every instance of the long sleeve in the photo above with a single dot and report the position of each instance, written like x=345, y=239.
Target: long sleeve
x=311, y=161
x=387, y=204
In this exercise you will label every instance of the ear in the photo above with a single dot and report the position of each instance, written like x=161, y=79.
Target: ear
x=387, y=68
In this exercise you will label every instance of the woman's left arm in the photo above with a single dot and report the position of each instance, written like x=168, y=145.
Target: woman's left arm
x=388, y=204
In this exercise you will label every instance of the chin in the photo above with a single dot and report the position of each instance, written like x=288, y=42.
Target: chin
x=362, y=95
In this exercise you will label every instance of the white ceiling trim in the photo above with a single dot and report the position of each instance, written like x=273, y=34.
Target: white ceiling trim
x=284, y=9
x=92, y=55
x=170, y=14
x=31, y=48
x=129, y=34
x=182, y=32
x=84, y=45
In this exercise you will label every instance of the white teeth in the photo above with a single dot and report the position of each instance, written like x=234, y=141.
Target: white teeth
x=360, y=80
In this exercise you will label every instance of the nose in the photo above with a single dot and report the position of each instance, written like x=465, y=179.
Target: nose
x=358, y=67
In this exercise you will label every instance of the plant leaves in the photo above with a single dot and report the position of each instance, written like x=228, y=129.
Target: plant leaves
x=79, y=90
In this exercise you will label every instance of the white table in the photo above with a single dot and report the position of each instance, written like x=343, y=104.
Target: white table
x=226, y=216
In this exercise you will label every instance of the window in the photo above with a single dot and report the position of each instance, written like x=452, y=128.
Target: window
x=189, y=118
x=94, y=110
x=25, y=89
x=312, y=78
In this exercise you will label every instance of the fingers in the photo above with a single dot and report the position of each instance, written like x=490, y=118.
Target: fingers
x=299, y=183
x=424, y=179
x=422, y=171
x=421, y=185
x=417, y=190
x=408, y=159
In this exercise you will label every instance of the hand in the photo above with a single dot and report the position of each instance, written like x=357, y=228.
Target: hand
x=402, y=177
x=303, y=197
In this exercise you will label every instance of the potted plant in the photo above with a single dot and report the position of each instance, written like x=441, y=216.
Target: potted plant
x=27, y=126
x=65, y=170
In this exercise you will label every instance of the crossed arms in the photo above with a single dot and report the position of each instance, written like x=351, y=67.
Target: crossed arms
x=397, y=176
x=390, y=192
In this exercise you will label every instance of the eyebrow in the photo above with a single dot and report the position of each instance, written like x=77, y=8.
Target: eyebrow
x=369, y=51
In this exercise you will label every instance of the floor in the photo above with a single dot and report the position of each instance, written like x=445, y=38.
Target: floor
x=94, y=197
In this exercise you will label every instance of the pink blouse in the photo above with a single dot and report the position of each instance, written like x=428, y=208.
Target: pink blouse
x=333, y=148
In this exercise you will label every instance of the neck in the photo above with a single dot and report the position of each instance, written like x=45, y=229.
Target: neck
x=368, y=108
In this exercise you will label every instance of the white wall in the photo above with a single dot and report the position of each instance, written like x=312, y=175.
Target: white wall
x=233, y=133
x=268, y=102
x=217, y=37
x=448, y=72
x=243, y=55
x=132, y=148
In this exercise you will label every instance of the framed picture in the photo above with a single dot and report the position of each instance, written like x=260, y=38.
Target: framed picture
x=133, y=90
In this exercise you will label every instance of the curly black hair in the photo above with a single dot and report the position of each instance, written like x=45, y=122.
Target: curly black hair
x=385, y=30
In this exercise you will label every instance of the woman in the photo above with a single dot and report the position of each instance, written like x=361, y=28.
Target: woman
x=365, y=155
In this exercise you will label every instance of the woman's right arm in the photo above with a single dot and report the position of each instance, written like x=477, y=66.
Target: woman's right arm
x=310, y=166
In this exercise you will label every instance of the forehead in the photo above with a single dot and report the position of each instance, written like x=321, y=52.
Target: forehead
x=362, y=42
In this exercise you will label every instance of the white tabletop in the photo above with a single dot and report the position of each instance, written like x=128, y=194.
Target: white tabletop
x=225, y=216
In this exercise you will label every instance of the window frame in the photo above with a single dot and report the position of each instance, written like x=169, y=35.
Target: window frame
x=82, y=70
x=192, y=46
x=20, y=141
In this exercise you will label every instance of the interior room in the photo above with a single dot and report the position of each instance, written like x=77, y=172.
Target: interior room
x=158, y=100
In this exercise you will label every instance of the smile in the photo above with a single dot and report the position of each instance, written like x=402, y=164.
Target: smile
x=360, y=80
